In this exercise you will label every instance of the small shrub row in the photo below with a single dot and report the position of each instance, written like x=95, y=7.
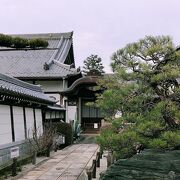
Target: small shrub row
x=20, y=43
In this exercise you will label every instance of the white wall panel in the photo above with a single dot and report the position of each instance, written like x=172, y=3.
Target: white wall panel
x=18, y=123
x=29, y=121
x=39, y=124
x=5, y=125
x=72, y=112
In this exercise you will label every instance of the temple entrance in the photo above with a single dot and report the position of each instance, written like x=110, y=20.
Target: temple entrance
x=80, y=94
x=91, y=117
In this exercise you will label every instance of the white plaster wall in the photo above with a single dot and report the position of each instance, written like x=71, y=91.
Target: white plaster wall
x=72, y=112
x=39, y=124
x=29, y=121
x=5, y=125
x=53, y=86
x=18, y=123
x=49, y=86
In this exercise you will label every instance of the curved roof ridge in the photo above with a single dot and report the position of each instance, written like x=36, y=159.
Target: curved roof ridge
x=50, y=62
x=65, y=50
x=65, y=66
x=84, y=80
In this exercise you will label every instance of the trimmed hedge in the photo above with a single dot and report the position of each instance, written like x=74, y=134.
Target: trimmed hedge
x=20, y=43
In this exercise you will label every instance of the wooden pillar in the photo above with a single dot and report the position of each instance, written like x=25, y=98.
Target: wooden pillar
x=12, y=123
x=80, y=110
x=34, y=114
x=25, y=124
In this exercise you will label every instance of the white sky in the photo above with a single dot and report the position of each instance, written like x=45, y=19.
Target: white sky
x=100, y=26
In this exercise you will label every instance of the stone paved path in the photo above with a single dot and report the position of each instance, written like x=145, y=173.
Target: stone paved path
x=68, y=164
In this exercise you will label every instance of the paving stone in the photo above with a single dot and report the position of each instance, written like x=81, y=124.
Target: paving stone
x=68, y=164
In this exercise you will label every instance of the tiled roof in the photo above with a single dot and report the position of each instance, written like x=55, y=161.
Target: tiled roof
x=39, y=63
x=87, y=80
x=16, y=88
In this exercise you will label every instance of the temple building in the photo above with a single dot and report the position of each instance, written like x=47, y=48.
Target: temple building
x=22, y=111
x=53, y=69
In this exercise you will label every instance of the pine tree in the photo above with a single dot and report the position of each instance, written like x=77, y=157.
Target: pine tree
x=146, y=91
x=93, y=62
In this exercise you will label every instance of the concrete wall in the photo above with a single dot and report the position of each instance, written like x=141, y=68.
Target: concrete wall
x=5, y=159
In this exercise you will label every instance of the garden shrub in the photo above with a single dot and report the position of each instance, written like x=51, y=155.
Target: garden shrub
x=65, y=129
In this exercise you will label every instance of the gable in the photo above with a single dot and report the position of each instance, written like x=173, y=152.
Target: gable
x=55, y=61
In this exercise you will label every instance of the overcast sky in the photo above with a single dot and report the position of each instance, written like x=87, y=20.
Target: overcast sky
x=100, y=26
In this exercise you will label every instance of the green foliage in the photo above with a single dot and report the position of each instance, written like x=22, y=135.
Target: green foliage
x=144, y=89
x=106, y=138
x=5, y=40
x=172, y=139
x=150, y=128
x=93, y=62
x=158, y=144
x=36, y=43
x=66, y=130
x=121, y=144
x=20, y=43
x=124, y=144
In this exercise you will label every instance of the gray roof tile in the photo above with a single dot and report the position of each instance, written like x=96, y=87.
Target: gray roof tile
x=30, y=63
x=15, y=87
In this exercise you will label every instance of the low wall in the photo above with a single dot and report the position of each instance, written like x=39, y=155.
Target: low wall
x=5, y=157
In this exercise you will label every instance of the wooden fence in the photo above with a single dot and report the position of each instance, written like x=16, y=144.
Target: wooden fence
x=91, y=172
